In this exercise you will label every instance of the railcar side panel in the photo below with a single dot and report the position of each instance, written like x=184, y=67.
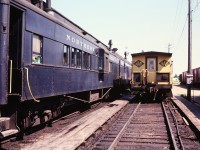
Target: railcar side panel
x=40, y=82
x=65, y=36
x=61, y=81
x=4, y=46
x=52, y=53
x=39, y=24
x=27, y=54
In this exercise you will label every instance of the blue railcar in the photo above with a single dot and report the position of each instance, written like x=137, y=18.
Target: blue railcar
x=47, y=61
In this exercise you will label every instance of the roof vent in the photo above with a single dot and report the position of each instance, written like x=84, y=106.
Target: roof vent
x=48, y=6
x=110, y=44
x=114, y=50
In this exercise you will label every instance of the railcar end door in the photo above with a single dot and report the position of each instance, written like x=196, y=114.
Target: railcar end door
x=151, y=70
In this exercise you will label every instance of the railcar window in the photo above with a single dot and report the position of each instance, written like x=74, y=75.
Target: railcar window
x=79, y=58
x=73, y=57
x=37, y=49
x=96, y=63
x=106, y=65
x=125, y=72
x=151, y=64
x=86, y=60
x=66, y=55
x=122, y=71
x=101, y=77
x=163, y=77
x=100, y=63
x=137, y=77
x=110, y=67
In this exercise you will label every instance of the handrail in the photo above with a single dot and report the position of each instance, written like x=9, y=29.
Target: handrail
x=78, y=99
x=89, y=101
x=11, y=67
x=27, y=80
x=105, y=93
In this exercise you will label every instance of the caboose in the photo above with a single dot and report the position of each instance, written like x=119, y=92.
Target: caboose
x=152, y=74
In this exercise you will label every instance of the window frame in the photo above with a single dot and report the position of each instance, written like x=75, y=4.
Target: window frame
x=161, y=74
x=39, y=52
x=136, y=76
x=78, y=58
x=110, y=67
x=66, y=59
x=149, y=65
x=86, y=61
x=73, y=61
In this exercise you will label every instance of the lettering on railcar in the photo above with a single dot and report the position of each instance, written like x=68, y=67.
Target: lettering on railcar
x=79, y=43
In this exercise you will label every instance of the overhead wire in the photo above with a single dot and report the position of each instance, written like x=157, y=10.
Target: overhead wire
x=179, y=15
x=196, y=6
x=183, y=29
x=195, y=9
x=176, y=21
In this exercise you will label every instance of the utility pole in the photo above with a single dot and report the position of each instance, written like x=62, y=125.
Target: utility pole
x=189, y=77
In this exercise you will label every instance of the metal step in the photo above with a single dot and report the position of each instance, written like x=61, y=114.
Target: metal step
x=4, y=123
x=8, y=132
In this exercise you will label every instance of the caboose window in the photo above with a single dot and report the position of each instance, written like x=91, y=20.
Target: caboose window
x=73, y=57
x=79, y=58
x=162, y=77
x=37, y=49
x=66, y=50
x=86, y=60
x=151, y=64
x=137, y=77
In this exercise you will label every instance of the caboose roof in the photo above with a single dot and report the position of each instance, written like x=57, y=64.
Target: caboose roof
x=152, y=53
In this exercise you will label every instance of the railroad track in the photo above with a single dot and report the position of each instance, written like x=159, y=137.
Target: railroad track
x=136, y=126
x=184, y=133
x=144, y=128
x=147, y=126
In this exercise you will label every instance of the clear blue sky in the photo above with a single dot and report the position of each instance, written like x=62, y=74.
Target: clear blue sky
x=136, y=25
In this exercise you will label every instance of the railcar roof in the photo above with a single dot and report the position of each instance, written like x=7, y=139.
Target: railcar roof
x=65, y=22
x=152, y=53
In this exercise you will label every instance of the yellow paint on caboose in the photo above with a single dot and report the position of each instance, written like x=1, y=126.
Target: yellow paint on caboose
x=167, y=67
x=135, y=68
x=151, y=67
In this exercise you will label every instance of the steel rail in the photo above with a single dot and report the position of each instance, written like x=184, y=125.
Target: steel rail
x=112, y=146
x=170, y=129
x=177, y=128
